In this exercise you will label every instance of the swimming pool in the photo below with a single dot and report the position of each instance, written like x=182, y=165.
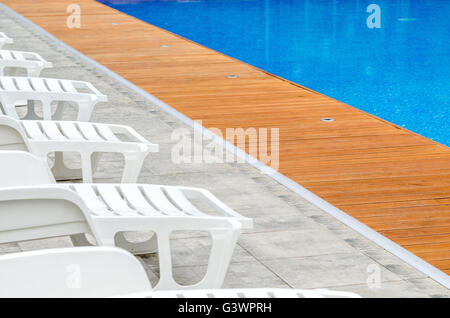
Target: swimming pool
x=399, y=72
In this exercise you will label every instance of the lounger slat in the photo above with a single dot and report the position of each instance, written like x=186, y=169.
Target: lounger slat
x=68, y=86
x=39, y=84
x=159, y=199
x=180, y=199
x=137, y=200
x=89, y=132
x=54, y=86
x=91, y=199
x=33, y=130
x=51, y=130
x=23, y=84
x=106, y=132
x=8, y=84
x=71, y=131
x=114, y=200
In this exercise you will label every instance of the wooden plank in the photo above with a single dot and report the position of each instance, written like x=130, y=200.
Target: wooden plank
x=393, y=180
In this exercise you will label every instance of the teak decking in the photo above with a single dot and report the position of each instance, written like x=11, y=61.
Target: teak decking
x=394, y=181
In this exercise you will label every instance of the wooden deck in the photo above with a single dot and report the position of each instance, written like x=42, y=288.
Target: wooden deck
x=395, y=181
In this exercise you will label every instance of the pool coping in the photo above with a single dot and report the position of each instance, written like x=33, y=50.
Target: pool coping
x=392, y=247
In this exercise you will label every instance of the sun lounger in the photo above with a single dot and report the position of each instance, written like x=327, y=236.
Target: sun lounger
x=109, y=272
x=45, y=91
x=90, y=140
x=4, y=39
x=33, y=63
x=32, y=206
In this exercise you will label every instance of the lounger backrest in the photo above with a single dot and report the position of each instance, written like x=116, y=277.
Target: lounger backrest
x=20, y=168
x=32, y=206
x=12, y=136
x=72, y=272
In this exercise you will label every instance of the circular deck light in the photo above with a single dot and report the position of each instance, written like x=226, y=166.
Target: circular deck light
x=115, y=23
x=327, y=119
x=232, y=76
x=164, y=45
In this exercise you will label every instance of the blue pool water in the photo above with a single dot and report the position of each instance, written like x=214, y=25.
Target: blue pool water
x=399, y=72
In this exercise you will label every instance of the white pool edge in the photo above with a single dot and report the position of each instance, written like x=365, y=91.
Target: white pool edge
x=359, y=227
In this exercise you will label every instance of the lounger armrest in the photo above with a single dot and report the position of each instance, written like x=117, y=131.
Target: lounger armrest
x=248, y=223
x=223, y=208
x=101, y=97
x=175, y=223
x=37, y=57
x=7, y=39
x=134, y=136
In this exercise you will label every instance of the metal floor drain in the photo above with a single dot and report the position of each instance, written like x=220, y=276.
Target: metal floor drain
x=232, y=76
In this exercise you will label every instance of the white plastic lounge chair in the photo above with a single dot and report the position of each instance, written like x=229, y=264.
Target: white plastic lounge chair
x=47, y=90
x=32, y=206
x=4, y=39
x=90, y=140
x=33, y=63
x=108, y=272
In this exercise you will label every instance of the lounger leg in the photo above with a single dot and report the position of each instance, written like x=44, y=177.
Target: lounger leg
x=10, y=110
x=8, y=105
x=46, y=110
x=84, y=111
x=86, y=166
x=61, y=107
x=96, y=156
x=61, y=172
x=146, y=247
x=166, y=280
x=223, y=243
x=133, y=166
x=223, y=246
